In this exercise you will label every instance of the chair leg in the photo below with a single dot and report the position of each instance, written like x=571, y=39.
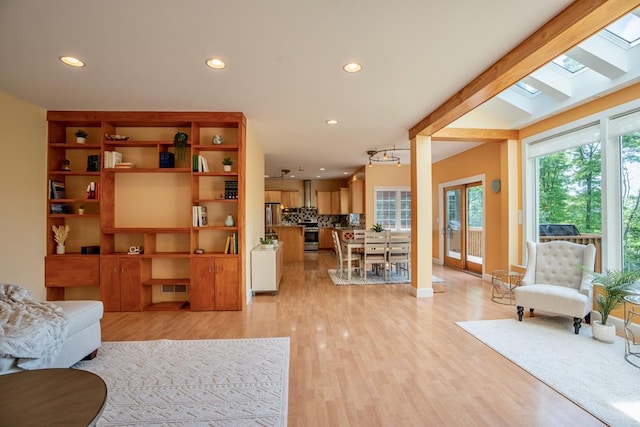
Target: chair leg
x=520, y=312
x=576, y=324
x=587, y=318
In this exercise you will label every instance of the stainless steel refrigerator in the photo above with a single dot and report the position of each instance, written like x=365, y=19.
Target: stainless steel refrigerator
x=271, y=218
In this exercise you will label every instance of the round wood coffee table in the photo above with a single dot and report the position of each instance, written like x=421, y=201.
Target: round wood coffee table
x=65, y=397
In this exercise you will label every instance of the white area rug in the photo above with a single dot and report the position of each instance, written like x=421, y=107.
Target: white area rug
x=592, y=374
x=372, y=279
x=241, y=382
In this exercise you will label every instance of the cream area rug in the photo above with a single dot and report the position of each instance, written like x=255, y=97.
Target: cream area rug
x=239, y=382
x=592, y=374
x=372, y=279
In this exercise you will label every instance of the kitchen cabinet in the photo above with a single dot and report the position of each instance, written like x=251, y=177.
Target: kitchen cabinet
x=324, y=203
x=272, y=196
x=290, y=199
x=293, y=238
x=213, y=284
x=334, y=202
x=120, y=284
x=325, y=240
x=356, y=190
x=266, y=268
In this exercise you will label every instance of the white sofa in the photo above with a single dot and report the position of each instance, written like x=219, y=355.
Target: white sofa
x=83, y=335
x=558, y=280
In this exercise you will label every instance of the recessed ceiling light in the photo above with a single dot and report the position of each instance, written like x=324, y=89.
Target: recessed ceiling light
x=331, y=122
x=266, y=176
x=322, y=169
x=292, y=176
x=352, y=67
x=70, y=60
x=216, y=63
x=345, y=173
x=318, y=176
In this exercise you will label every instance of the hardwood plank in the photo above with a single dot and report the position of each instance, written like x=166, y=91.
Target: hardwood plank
x=374, y=355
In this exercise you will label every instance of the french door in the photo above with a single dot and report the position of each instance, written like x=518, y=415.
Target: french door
x=463, y=228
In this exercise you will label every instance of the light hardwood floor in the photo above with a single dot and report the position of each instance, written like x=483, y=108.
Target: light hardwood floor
x=374, y=355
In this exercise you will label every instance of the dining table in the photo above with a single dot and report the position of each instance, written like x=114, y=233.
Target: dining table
x=351, y=245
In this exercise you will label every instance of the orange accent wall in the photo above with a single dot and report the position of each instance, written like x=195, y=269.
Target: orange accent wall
x=484, y=159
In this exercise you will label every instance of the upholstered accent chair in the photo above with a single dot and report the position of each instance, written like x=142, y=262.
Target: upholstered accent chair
x=557, y=280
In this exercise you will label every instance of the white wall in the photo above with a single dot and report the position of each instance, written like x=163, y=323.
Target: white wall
x=23, y=135
x=254, y=216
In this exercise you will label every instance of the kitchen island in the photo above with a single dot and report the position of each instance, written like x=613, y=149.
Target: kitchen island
x=293, y=237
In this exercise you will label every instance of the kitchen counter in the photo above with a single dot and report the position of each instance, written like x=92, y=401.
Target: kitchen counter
x=293, y=238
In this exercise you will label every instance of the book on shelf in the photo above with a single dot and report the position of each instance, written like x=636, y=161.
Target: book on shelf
x=199, y=216
x=93, y=163
x=59, y=208
x=93, y=191
x=56, y=190
x=199, y=163
x=231, y=189
x=227, y=245
x=111, y=158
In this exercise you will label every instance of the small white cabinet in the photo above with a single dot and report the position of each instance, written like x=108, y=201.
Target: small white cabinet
x=266, y=268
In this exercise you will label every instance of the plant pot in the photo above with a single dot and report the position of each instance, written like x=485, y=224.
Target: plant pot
x=604, y=333
x=60, y=249
x=80, y=211
x=81, y=140
x=267, y=246
x=226, y=168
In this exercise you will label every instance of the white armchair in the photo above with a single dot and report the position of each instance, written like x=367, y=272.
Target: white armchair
x=557, y=280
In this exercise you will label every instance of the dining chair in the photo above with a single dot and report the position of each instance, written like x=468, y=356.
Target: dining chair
x=399, y=251
x=341, y=258
x=375, y=252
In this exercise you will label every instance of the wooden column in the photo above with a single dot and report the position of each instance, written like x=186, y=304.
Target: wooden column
x=421, y=217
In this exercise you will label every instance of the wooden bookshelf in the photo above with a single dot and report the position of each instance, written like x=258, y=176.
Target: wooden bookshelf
x=149, y=207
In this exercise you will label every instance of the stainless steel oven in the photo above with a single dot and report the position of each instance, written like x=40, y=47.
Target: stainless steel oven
x=311, y=236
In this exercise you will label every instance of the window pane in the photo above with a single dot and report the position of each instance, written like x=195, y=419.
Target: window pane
x=569, y=184
x=386, y=209
x=630, y=155
x=405, y=210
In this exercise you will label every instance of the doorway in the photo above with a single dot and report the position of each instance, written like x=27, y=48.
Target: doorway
x=464, y=226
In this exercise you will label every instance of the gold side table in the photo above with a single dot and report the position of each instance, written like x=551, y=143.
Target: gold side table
x=503, y=283
x=632, y=343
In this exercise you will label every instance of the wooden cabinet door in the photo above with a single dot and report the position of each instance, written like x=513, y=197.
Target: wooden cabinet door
x=335, y=202
x=357, y=196
x=130, y=286
x=110, y=283
x=324, y=202
x=290, y=199
x=272, y=196
x=227, y=288
x=201, y=290
x=344, y=201
x=325, y=241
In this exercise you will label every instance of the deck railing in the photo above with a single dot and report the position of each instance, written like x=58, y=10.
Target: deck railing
x=583, y=239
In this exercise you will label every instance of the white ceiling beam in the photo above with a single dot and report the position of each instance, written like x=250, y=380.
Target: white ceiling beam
x=550, y=82
x=516, y=100
x=602, y=56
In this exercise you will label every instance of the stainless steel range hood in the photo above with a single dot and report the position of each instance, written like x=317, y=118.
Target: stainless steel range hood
x=307, y=193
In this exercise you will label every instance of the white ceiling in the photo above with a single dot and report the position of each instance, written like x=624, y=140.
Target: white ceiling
x=284, y=62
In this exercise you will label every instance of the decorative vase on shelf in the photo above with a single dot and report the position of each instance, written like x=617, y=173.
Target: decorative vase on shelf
x=229, y=221
x=217, y=139
x=60, y=249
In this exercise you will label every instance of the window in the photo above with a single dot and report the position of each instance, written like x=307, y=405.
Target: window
x=393, y=208
x=587, y=174
x=626, y=28
x=625, y=131
x=568, y=64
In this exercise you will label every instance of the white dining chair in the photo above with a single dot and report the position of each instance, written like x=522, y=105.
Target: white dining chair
x=342, y=260
x=375, y=252
x=399, y=251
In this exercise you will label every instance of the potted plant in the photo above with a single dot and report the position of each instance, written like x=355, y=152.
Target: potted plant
x=614, y=285
x=60, y=234
x=267, y=242
x=226, y=164
x=81, y=136
x=181, y=146
x=377, y=228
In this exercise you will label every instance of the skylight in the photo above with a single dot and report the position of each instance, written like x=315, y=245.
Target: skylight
x=568, y=64
x=627, y=28
x=530, y=89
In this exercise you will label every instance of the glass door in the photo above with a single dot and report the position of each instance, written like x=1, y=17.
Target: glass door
x=463, y=230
